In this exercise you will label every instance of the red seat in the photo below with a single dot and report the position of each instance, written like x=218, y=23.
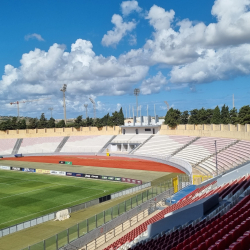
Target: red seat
x=235, y=246
x=202, y=246
x=209, y=242
x=221, y=244
x=193, y=244
x=216, y=237
x=244, y=241
x=213, y=247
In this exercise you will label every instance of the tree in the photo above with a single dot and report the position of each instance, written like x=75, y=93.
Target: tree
x=184, y=117
x=21, y=124
x=89, y=122
x=51, y=123
x=60, y=124
x=33, y=123
x=121, y=117
x=172, y=118
x=216, y=119
x=78, y=122
x=225, y=116
x=233, y=116
x=202, y=116
x=42, y=122
x=194, y=117
x=244, y=115
x=210, y=113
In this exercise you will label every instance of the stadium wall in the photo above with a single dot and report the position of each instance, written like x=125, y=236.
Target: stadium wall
x=241, y=132
x=49, y=132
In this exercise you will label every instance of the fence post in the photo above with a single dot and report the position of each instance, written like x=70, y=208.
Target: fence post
x=147, y=195
x=112, y=213
x=96, y=221
x=136, y=200
x=57, y=241
x=68, y=236
x=130, y=203
x=125, y=206
x=44, y=247
x=78, y=234
x=104, y=214
x=87, y=225
x=118, y=209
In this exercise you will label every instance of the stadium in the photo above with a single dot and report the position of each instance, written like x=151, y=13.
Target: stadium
x=137, y=186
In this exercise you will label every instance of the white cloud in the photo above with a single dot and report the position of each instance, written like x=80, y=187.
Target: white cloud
x=159, y=18
x=121, y=29
x=130, y=6
x=42, y=73
x=34, y=36
x=132, y=40
x=154, y=84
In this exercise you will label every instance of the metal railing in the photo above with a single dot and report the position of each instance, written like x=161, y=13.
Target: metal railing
x=100, y=223
x=52, y=216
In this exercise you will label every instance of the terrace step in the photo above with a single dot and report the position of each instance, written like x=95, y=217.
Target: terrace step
x=61, y=144
x=17, y=146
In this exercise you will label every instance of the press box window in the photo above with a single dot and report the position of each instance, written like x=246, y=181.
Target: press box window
x=147, y=129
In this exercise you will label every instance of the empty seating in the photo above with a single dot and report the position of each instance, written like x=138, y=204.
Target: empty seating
x=223, y=231
x=92, y=143
x=6, y=146
x=40, y=144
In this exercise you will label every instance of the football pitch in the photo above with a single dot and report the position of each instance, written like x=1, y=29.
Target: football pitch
x=25, y=196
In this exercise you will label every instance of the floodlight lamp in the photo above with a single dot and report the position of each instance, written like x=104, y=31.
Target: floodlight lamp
x=64, y=88
x=136, y=92
x=92, y=100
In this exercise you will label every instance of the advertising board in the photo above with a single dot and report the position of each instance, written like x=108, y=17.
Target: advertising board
x=57, y=172
x=15, y=168
x=29, y=170
x=61, y=162
x=92, y=176
x=42, y=171
x=68, y=162
x=75, y=174
x=5, y=167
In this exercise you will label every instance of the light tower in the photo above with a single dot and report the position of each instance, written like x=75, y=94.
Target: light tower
x=93, y=102
x=63, y=89
x=136, y=93
x=50, y=110
x=86, y=107
x=167, y=105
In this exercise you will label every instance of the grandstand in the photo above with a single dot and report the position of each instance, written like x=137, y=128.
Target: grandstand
x=182, y=222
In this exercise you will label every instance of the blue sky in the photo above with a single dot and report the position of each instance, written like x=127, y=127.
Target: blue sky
x=191, y=55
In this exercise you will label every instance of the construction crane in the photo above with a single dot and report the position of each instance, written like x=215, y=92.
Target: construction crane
x=18, y=102
x=167, y=105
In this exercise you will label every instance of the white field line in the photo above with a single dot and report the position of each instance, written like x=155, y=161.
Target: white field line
x=25, y=192
x=49, y=183
x=46, y=210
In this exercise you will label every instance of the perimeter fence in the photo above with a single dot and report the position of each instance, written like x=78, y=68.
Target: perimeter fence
x=52, y=216
x=105, y=221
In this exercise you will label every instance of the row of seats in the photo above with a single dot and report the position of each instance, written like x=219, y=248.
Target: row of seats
x=225, y=191
x=131, y=138
x=229, y=231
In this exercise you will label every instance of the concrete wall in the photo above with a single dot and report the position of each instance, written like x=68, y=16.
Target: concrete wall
x=50, y=132
x=141, y=131
x=240, y=132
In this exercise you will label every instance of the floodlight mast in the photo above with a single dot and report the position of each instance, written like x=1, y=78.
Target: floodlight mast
x=50, y=110
x=167, y=105
x=136, y=93
x=64, y=103
x=86, y=107
x=93, y=102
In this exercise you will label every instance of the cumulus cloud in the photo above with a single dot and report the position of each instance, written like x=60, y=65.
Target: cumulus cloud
x=130, y=6
x=43, y=73
x=33, y=36
x=121, y=29
x=153, y=84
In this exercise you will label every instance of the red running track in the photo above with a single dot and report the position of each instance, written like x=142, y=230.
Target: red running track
x=103, y=161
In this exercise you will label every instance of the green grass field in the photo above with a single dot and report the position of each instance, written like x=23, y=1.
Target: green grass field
x=24, y=196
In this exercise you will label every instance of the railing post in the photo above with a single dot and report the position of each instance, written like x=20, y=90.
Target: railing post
x=112, y=213
x=57, y=240
x=87, y=225
x=130, y=203
x=68, y=236
x=44, y=247
x=78, y=234
x=96, y=221
x=104, y=214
